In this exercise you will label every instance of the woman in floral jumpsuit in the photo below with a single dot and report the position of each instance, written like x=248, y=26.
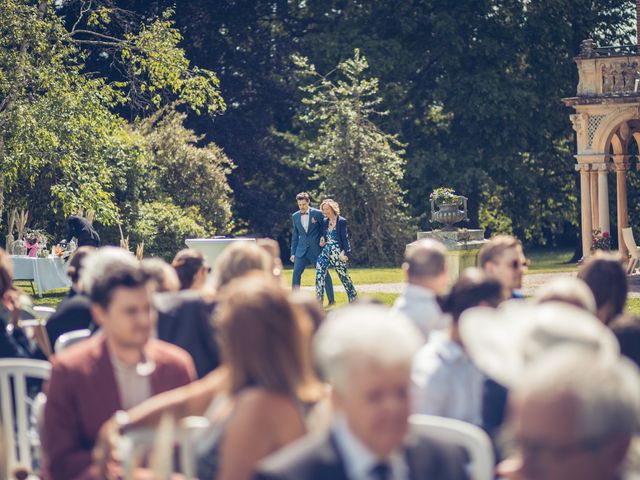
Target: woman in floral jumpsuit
x=336, y=250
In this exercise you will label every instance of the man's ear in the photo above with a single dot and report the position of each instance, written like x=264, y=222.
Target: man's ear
x=405, y=271
x=98, y=313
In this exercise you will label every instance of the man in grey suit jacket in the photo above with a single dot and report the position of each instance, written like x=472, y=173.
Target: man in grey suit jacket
x=305, y=241
x=365, y=353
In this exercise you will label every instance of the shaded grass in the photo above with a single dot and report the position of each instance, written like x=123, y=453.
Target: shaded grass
x=50, y=298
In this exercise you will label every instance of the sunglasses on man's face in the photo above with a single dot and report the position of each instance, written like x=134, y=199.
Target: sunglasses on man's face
x=519, y=264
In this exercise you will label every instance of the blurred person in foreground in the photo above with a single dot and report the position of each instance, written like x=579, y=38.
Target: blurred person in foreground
x=570, y=290
x=573, y=416
x=15, y=306
x=192, y=269
x=74, y=311
x=184, y=317
x=626, y=328
x=163, y=275
x=445, y=380
x=257, y=399
x=365, y=354
x=501, y=342
x=502, y=258
x=607, y=279
x=116, y=369
x=426, y=278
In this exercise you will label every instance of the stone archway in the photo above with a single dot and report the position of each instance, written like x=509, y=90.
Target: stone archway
x=607, y=119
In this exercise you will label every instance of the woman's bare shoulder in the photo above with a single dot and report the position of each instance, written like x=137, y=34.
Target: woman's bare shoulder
x=260, y=401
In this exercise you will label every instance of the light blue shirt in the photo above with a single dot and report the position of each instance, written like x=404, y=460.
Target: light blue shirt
x=445, y=382
x=359, y=460
x=421, y=306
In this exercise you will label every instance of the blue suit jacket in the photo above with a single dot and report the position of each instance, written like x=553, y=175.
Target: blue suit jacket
x=302, y=241
x=343, y=234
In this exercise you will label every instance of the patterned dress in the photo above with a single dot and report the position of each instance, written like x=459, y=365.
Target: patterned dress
x=330, y=256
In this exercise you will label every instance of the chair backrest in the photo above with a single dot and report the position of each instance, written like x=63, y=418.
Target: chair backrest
x=20, y=438
x=67, y=339
x=473, y=439
x=630, y=242
x=137, y=442
x=44, y=312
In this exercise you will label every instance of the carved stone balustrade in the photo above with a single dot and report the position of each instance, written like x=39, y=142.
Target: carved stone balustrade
x=608, y=71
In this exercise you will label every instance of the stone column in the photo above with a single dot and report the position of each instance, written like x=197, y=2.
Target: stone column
x=623, y=215
x=595, y=203
x=603, y=197
x=585, y=207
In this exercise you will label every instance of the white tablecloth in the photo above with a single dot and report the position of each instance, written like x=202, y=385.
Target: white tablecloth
x=47, y=273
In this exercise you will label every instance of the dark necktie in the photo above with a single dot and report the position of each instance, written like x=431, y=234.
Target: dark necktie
x=382, y=471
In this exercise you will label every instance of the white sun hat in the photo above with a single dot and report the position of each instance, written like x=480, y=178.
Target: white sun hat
x=504, y=341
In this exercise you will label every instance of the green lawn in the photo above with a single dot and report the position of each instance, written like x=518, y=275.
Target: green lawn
x=633, y=306
x=541, y=261
x=386, y=298
x=360, y=276
x=550, y=261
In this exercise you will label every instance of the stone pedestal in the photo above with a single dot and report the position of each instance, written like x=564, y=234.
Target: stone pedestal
x=462, y=248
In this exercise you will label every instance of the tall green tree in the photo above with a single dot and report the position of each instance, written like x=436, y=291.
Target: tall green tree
x=357, y=163
x=63, y=144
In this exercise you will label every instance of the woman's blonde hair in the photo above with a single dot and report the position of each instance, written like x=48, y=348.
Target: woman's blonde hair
x=264, y=341
x=331, y=204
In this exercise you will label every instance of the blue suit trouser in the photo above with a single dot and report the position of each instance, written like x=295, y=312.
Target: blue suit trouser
x=299, y=265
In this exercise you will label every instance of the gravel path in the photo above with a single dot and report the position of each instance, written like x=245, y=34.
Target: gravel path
x=530, y=283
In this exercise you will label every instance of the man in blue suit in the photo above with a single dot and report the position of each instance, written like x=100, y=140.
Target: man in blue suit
x=305, y=241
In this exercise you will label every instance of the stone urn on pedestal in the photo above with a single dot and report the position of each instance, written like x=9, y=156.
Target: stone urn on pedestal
x=448, y=203
x=463, y=245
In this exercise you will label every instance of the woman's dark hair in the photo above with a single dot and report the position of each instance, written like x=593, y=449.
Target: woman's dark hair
x=187, y=263
x=626, y=328
x=605, y=276
x=472, y=288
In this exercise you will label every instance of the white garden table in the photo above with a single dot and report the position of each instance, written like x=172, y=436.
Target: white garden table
x=47, y=273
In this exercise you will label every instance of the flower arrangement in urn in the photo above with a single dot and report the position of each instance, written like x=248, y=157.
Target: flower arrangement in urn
x=445, y=196
x=600, y=240
x=448, y=212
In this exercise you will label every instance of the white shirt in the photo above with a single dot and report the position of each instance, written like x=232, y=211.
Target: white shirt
x=134, y=381
x=359, y=460
x=445, y=382
x=421, y=306
x=304, y=220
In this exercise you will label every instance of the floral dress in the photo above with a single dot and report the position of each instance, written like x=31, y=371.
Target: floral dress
x=330, y=256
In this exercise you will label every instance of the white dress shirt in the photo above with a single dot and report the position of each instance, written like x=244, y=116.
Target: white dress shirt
x=421, y=306
x=445, y=382
x=304, y=220
x=359, y=460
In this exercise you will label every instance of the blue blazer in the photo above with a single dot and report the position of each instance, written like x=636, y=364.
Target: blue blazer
x=343, y=234
x=303, y=241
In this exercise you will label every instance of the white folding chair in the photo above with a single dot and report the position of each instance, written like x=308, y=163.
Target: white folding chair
x=20, y=435
x=473, y=439
x=67, y=339
x=634, y=251
x=136, y=442
x=44, y=312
